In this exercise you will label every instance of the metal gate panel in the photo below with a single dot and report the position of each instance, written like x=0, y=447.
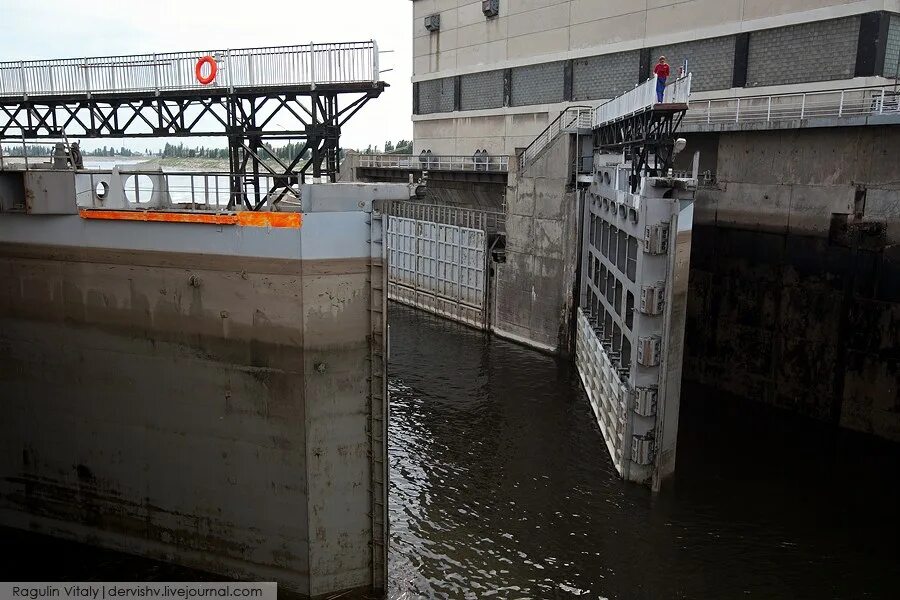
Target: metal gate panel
x=439, y=267
x=634, y=263
x=605, y=391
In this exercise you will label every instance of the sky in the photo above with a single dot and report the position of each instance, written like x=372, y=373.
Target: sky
x=35, y=29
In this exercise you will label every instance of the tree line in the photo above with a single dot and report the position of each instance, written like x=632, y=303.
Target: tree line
x=46, y=150
x=402, y=147
x=286, y=153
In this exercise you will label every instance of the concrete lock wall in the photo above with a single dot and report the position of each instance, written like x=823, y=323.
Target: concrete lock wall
x=795, y=274
x=535, y=287
x=196, y=393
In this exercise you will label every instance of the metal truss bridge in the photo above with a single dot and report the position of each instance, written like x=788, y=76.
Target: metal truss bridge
x=253, y=96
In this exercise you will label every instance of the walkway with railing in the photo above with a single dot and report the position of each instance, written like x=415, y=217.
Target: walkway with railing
x=573, y=118
x=490, y=221
x=312, y=64
x=642, y=98
x=436, y=162
x=760, y=109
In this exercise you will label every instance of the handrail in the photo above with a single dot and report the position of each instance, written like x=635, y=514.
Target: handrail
x=841, y=103
x=573, y=116
x=641, y=98
x=332, y=63
x=490, y=221
x=436, y=162
x=847, y=89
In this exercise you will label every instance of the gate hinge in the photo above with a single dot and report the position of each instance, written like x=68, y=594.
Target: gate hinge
x=653, y=298
x=642, y=449
x=648, y=350
x=656, y=238
x=645, y=399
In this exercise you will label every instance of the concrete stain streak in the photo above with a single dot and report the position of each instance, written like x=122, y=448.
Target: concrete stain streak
x=167, y=404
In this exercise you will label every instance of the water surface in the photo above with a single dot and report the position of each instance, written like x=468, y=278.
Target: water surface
x=501, y=486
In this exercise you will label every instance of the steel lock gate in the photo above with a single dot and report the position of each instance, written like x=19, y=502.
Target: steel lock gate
x=438, y=267
x=634, y=266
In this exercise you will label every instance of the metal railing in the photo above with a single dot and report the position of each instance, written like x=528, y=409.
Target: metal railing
x=473, y=218
x=704, y=178
x=850, y=102
x=12, y=159
x=350, y=62
x=435, y=162
x=641, y=98
x=137, y=188
x=572, y=117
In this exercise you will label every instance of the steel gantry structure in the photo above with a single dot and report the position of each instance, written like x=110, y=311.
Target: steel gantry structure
x=642, y=127
x=255, y=96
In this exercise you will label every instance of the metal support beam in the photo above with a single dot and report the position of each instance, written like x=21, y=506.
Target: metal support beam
x=643, y=136
x=250, y=119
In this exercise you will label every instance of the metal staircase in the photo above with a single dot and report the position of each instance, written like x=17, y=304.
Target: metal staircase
x=575, y=119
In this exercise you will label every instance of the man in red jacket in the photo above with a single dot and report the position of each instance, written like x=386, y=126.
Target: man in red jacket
x=662, y=74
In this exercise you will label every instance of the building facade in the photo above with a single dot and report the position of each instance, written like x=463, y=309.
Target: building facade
x=492, y=74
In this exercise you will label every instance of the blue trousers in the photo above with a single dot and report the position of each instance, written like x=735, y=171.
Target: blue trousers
x=660, y=88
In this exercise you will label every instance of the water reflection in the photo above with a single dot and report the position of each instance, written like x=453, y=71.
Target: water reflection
x=501, y=486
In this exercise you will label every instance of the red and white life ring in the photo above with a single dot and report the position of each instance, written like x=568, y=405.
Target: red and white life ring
x=213, y=69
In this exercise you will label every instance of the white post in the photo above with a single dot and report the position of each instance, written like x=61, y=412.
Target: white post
x=312, y=65
x=708, y=110
x=769, y=110
x=22, y=78
x=156, y=74
x=841, y=105
x=87, y=77
x=376, y=63
x=881, y=106
x=228, y=69
x=803, y=106
x=737, y=111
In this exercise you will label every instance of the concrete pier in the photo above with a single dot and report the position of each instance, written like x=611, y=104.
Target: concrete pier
x=205, y=393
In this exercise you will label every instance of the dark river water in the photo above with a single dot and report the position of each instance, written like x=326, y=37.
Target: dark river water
x=501, y=487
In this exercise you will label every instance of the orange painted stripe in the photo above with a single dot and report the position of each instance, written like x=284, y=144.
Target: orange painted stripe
x=159, y=217
x=245, y=219
x=270, y=219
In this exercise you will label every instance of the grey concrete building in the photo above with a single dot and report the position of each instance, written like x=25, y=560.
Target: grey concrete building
x=494, y=81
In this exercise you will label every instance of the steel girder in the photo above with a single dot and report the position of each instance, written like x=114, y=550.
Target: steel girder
x=647, y=138
x=249, y=119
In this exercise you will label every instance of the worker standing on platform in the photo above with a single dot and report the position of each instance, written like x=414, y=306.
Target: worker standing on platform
x=661, y=70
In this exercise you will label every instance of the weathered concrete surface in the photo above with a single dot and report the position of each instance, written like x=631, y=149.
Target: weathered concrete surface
x=482, y=196
x=448, y=187
x=347, y=171
x=795, y=274
x=535, y=287
x=205, y=403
